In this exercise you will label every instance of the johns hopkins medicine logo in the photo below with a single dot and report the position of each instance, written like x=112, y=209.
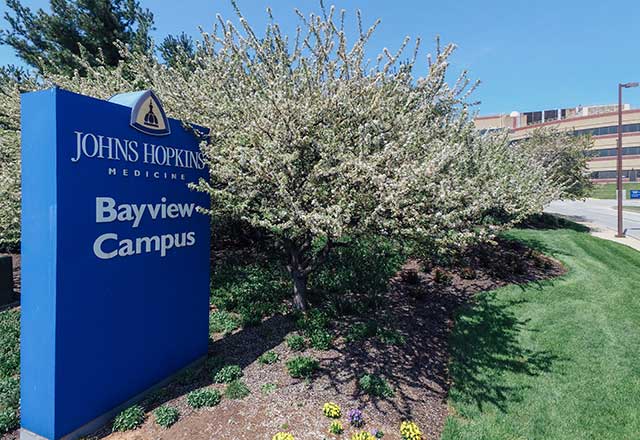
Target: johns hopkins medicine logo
x=147, y=114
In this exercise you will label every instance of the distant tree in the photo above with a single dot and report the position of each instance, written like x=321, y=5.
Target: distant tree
x=177, y=49
x=563, y=155
x=53, y=41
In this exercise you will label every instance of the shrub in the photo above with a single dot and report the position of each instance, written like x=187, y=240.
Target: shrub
x=296, y=342
x=321, y=340
x=236, y=390
x=356, y=418
x=283, y=436
x=9, y=343
x=360, y=331
x=166, y=416
x=336, y=428
x=228, y=374
x=9, y=392
x=9, y=420
x=268, y=358
x=222, y=321
x=363, y=267
x=314, y=320
x=331, y=410
x=203, y=397
x=130, y=418
x=302, y=366
x=410, y=431
x=390, y=337
x=268, y=388
x=254, y=291
x=375, y=386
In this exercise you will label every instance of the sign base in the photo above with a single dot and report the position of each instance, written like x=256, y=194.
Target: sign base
x=102, y=420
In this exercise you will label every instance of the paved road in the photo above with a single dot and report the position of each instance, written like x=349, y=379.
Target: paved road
x=599, y=212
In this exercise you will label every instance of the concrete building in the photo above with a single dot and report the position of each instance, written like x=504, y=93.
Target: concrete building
x=600, y=121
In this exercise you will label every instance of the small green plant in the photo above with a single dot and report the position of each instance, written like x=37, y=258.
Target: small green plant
x=296, y=342
x=375, y=386
x=302, y=366
x=236, y=390
x=166, y=416
x=390, y=337
x=130, y=418
x=227, y=374
x=441, y=276
x=410, y=276
x=336, y=428
x=204, y=397
x=321, y=340
x=268, y=358
x=468, y=273
x=361, y=331
x=268, y=388
x=222, y=321
x=314, y=320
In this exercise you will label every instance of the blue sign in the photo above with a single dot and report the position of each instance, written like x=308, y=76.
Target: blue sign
x=634, y=193
x=115, y=256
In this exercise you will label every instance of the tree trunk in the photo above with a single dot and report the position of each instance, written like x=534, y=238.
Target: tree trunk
x=299, y=291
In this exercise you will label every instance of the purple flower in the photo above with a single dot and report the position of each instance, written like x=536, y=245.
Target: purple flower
x=355, y=417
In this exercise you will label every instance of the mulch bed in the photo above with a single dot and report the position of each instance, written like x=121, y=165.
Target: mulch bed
x=420, y=304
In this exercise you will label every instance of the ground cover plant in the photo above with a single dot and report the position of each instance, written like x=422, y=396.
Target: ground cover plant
x=302, y=366
x=236, y=390
x=203, y=397
x=130, y=418
x=166, y=416
x=227, y=374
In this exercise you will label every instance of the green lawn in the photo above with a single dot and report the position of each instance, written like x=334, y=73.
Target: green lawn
x=608, y=190
x=632, y=208
x=553, y=360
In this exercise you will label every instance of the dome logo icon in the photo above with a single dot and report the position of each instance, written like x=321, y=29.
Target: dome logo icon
x=147, y=114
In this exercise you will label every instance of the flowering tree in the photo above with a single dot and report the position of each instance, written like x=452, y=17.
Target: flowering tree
x=312, y=143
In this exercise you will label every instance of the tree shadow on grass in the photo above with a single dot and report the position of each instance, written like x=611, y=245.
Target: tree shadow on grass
x=554, y=221
x=486, y=347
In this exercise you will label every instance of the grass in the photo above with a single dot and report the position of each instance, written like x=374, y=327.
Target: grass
x=608, y=190
x=556, y=359
x=631, y=208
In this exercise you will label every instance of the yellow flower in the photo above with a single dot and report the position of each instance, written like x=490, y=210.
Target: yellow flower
x=410, y=431
x=331, y=410
x=283, y=436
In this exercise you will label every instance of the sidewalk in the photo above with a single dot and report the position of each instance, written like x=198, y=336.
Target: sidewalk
x=609, y=234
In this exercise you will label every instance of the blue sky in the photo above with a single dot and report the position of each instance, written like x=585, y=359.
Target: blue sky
x=529, y=55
